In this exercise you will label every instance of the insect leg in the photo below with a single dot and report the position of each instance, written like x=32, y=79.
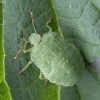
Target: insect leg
x=23, y=47
x=46, y=81
x=48, y=26
x=41, y=76
x=30, y=62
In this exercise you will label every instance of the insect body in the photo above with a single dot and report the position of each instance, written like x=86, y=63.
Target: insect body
x=58, y=60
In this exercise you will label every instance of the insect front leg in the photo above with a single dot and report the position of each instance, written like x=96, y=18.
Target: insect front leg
x=22, y=48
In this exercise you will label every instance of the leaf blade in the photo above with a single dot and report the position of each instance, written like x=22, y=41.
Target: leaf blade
x=18, y=24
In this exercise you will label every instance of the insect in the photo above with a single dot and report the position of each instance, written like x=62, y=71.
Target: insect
x=59, y=61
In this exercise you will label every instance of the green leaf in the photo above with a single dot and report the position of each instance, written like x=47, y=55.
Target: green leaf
x=26, y=86
x=80, y=24
x=87, y=89
x=76, y=20
x=4, y=90
x=1, y=45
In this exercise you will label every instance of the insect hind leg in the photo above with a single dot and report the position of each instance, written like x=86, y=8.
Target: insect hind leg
x=30, y=62
x=41, y=76
x=48, y=26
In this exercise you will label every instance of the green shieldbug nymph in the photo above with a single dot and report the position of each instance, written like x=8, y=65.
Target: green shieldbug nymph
x=58, y=60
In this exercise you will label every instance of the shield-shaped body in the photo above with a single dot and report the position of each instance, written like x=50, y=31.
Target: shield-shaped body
x=59, y=61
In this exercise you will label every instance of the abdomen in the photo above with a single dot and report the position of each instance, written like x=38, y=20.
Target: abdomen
x=61, y=62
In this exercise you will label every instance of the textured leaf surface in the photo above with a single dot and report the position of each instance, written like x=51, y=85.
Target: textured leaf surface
x=25, y=86
x=78, y=21
x=1, y=44
x=80, y=24
x=4, y=90
x=87, y=89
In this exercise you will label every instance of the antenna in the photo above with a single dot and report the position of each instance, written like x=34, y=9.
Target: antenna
x=32, y=17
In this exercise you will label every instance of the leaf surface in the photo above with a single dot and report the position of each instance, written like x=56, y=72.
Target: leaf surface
x=4, y=90
x=18, y=24
x=79, y=22
x=76, y=20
